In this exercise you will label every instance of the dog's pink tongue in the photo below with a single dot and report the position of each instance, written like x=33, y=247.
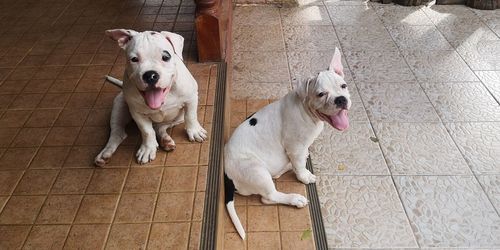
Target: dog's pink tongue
x=340, y=121
x=154, y=97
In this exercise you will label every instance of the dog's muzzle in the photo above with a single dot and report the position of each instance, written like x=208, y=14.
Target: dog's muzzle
x=341, y=102
x=339, y=120
x=153, y=95
x=151, y=77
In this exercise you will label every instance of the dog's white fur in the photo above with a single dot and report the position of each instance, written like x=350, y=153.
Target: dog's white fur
x=279, y=142
x=180, y=102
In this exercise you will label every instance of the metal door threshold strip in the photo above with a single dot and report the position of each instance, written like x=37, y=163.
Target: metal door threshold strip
x=315, y=210
x=209, y=224
x=209, y=228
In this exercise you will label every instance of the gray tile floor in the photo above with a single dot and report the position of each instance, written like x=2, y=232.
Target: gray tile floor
x=420, y=165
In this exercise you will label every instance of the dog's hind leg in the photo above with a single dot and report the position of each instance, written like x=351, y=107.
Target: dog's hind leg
x=262, y=181
x=120, y=117
x=282, y=198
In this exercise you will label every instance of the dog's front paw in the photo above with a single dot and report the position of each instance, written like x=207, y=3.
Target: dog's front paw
x=167, y=143
x=196, y=132
x=103, y=157
x=306, y=177
x=146, y=153
x=298, y=201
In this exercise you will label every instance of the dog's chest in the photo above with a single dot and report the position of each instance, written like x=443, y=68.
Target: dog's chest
x=169, y=111
x=164, y=116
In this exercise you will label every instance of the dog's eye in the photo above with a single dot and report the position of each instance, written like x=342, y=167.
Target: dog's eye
x=166, y=56
x=134, y=59
x=321, y=94
x=343, y=86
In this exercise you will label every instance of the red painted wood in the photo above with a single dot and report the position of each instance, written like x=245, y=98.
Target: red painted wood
x=212, y=25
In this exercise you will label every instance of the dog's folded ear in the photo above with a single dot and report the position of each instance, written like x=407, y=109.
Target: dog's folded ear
x=122, y=36
x=336, y=63
x=176, y=40
x=301, y=86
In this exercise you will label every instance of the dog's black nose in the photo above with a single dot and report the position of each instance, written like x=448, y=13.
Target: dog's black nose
x=151, y=77
x=340, y=101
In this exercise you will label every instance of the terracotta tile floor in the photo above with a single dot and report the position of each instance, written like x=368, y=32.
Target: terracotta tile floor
x=419, y=166
x=54, y=114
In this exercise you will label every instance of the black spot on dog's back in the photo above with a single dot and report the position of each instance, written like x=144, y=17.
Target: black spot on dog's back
x=253, y=122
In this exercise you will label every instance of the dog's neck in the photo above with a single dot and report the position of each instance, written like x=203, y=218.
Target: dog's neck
x=310, y=113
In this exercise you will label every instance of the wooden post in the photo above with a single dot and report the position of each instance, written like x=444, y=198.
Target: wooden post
x=208, y=30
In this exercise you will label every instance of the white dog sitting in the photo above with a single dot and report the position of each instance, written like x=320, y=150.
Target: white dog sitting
x=158, y=93
x=276, y=139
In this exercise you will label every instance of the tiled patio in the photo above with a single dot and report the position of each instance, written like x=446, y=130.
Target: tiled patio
x=54, y=114
x=420, y=165
x=418, y=168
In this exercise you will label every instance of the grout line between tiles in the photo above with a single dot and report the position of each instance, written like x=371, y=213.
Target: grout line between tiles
x=79, y=207
x=382, y=150
x=62, y=12
x=114, y=193
x=484, y=85
x=285, y=50
x=487, y=195
x=279, y=225
x=157, y=195
x=176, y=15
x=118, y=201
x=193, y=203
x=246, y=220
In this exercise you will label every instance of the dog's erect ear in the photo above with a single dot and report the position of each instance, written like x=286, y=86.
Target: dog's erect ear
x=301, y=86
x=122, y=36
x=176, y=40
x=336, y=63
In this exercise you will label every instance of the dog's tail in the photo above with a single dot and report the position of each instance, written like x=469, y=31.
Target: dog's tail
x=115, y=81
x=229, y=200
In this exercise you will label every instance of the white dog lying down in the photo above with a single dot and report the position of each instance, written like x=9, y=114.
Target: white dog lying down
x=158, y=93
x=276, y=139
